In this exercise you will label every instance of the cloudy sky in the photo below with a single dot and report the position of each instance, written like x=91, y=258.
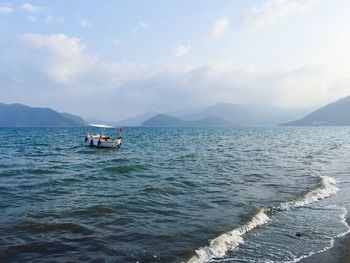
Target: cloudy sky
x=115, y=59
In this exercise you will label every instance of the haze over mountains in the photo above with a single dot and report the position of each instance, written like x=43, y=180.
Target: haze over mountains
x=18, y=115
x=227, y=114
x=137, y=120
x=163, y=120
x=219, y=115
x=334, y=114
x=248, y=114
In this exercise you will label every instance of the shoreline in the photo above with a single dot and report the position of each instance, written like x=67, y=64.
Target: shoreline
x=339, y=253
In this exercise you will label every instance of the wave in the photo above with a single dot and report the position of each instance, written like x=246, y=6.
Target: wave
x=229, y=241
x=343, y=220
x=124, y=169
x=36, y=227
x=95, y=210
x=326, y=189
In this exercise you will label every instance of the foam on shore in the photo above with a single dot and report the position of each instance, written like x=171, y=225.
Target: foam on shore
x=343, y=220
x=229, y=241
x=326, y=189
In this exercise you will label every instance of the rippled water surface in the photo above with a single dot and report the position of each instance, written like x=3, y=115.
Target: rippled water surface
x=172, y=195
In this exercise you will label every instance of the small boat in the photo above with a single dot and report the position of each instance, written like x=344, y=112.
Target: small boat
x=102, y=139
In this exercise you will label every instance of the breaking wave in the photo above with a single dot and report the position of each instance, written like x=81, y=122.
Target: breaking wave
x=229, y=241
x=326, y=189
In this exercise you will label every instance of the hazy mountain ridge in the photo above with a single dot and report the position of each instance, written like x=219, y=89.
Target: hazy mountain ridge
x=219, y=115
x=137, y=120
x=228, y=115
x=248, y=114
x=75, y=118
x=18, y=115
x=164, y=120
x=333, y=114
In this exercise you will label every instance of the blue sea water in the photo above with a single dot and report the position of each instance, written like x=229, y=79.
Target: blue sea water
x=173, y=194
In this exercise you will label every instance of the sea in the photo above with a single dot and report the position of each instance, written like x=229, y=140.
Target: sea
x=274, y=194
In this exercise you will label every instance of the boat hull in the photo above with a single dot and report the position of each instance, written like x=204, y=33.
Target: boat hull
x=95, y=141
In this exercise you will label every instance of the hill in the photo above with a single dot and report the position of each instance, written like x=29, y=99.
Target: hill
x=18, y=115
x=75, y=118
x=136, y=120
x=163, y=120
x=247, y=115
x=334, y=114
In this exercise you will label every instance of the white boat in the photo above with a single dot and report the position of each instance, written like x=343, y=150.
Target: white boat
x=102, y=139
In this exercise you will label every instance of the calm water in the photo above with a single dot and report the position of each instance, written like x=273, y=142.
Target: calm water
x=173, y=195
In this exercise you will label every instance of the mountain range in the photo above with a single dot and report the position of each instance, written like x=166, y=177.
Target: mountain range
x=18, y=115
x=136, y=120
x=248, y=114
x=163, y=120
x=334, y=114
x=228, y=115
x=220, y=115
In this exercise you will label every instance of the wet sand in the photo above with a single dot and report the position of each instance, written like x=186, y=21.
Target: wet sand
x=339, y=253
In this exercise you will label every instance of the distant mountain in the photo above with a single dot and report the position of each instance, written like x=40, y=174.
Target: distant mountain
x=334, y=114
x=211, y=122
x=74, y=118
x=163, y=120
x=247, y=115
x=18, y=115
x=137, y=120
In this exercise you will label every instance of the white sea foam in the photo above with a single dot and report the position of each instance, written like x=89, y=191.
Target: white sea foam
x=326, y=189
x=343, y=220
x=228, y=241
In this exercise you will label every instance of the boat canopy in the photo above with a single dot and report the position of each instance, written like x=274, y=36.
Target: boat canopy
x=101, y=126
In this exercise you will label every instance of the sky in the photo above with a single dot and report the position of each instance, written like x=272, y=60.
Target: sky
x=117, y=59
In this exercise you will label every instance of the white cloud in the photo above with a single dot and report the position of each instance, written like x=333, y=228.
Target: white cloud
x=117, y=41
x=6, y=8
x=31, y=18
x=58, y=43
x=64, y=61
x=182, y=50
x=219, y=27
x=51, y=19
x=273, y=11
x=143, y=25
x=30, y=7
x=85, y=23
x=61, y=54
x=140, y=26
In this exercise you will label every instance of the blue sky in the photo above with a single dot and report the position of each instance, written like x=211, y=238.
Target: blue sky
x=115, y=59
